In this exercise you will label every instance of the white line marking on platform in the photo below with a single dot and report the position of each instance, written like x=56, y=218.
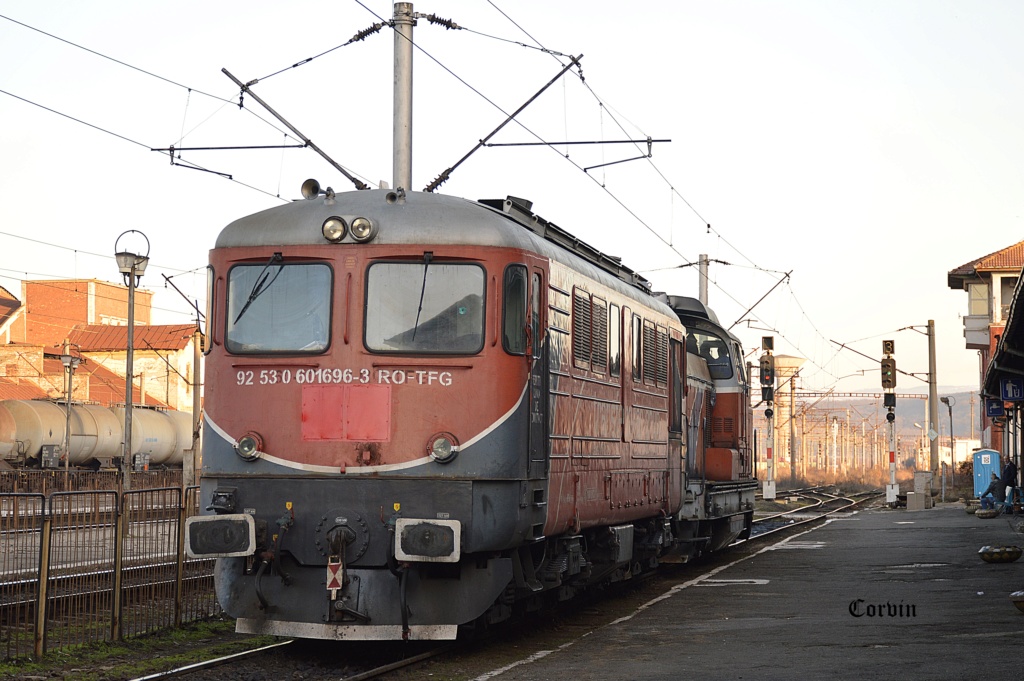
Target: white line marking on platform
x=733, y=582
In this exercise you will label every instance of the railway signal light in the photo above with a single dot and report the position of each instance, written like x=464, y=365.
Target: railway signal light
x=888, y=373
x=767, y=370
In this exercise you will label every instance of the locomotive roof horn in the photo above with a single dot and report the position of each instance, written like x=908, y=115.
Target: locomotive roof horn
x=310, y=189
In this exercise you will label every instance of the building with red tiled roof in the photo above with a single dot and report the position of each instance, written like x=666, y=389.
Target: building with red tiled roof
x=163, y=359
x=990, y=282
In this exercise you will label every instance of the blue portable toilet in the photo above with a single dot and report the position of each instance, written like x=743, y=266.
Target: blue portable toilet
x=986, y=462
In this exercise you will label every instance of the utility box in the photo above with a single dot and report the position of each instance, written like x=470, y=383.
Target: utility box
x=986, y=462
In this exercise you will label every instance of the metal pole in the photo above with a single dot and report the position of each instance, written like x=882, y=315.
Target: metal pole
x=769, y=486
x=404, y=22
x=193, y=458
x=792, y=427
x=703, y=267
x=126, y=455
x=933, y=400
x=67, y=425
x=952, y=443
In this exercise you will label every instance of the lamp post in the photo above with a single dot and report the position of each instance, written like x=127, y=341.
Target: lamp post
x=949, y=402
x=132, y=266
x=70, y=363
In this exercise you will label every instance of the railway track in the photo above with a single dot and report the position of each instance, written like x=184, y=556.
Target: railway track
x=374, y=660
x=820, y=503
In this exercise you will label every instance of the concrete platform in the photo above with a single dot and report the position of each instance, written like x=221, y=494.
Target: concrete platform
x=880, y=594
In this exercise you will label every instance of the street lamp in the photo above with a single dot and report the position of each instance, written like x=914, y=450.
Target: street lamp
x=132, y=266
x=70, y=363
x=949, y=402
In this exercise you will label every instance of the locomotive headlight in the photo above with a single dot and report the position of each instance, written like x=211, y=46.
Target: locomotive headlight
x=249, y=446
x=334, y=229
x=363, y=229
x=443, y=448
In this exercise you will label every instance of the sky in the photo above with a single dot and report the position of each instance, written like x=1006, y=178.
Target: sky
x=853, y=151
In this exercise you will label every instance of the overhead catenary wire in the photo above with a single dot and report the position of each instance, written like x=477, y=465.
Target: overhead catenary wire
x=554, y=54
x=135, y=68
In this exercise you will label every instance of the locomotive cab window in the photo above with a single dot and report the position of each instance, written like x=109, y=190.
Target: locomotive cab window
x=278, y=308
x=425, y=307
x=715, y=352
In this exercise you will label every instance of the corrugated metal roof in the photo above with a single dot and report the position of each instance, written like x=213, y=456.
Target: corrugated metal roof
x=18, y=390
x=1009, y=258
x=105, y=338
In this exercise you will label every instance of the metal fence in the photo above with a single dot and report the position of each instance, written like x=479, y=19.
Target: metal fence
x=96, y=565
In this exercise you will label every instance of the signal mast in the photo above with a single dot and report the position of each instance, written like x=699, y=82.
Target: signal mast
x=768, y=397
x=889, y=402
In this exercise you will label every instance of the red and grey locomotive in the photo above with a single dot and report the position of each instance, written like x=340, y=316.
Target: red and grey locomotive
x=422, y=411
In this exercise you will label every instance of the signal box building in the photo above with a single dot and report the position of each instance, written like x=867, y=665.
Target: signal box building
x=991, y=283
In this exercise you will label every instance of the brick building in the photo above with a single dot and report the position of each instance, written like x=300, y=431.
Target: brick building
x=93, y=316
x=50, y=308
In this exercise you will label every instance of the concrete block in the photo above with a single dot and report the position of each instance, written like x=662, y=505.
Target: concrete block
x=917, y=502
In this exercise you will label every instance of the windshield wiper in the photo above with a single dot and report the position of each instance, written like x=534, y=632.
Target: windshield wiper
x=427, y=257
x=261, y=284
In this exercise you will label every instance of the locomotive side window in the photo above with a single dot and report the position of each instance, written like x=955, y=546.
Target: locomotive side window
x=637, y=346
x=614, y=341
x=425, y=307
x=211, y=277
x=599, y=335
x=278, y=308
x=535, y=314
x=514, y=310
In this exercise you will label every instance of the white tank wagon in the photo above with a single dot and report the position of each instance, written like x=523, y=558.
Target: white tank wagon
x=27, y=426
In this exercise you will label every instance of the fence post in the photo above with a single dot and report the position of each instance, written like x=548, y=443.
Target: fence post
x=179, y=586
x=44, y=581
x=121, y=519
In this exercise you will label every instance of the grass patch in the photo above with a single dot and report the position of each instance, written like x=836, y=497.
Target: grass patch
x=137, y=656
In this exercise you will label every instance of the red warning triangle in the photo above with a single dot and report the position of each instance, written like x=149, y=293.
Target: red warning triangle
x=334, y=575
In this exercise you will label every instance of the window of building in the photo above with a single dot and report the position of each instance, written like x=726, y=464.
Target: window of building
x=1007, y=285
x=977, y=304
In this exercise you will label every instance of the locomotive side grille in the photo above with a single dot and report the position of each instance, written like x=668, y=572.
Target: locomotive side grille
x=662, y=356
x=650, y=353
x=724, y=425
x=581, y=346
